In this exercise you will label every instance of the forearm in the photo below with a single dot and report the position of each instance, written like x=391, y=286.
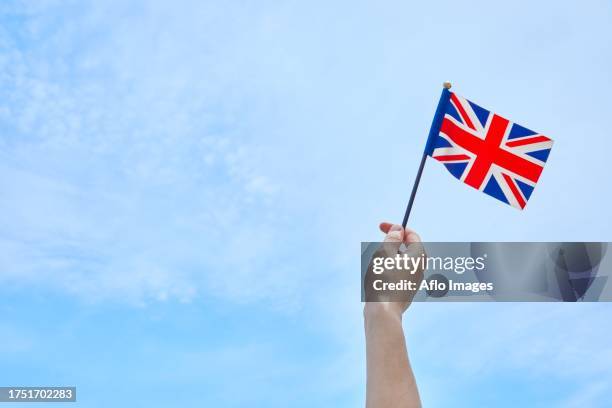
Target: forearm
x=390, y=381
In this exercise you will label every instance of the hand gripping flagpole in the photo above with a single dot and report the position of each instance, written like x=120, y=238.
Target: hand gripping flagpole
x=433, y=132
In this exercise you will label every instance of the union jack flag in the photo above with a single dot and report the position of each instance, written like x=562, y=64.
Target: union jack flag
x=490, y=153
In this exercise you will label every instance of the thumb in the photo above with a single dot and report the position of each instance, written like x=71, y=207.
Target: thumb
x=393, y=240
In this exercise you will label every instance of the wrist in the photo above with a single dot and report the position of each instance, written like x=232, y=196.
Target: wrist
x=382, y=311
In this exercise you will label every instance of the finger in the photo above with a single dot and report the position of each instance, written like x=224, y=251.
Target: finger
x=414, y=246
x=393, y=240
x=409, y=236
x=385, y=226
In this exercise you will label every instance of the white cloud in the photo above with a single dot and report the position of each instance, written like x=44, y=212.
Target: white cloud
x=127, y=158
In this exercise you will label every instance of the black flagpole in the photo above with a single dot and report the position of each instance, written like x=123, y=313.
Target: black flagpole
x=433, y=132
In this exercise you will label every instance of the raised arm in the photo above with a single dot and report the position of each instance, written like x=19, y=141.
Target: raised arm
x=390, y=381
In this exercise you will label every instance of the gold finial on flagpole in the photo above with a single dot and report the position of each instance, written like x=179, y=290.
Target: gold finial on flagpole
x=447, y=85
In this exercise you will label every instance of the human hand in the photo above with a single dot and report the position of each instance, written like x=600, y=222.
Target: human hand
x=392, y=245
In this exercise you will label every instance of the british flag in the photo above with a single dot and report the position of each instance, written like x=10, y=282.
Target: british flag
x=490, y=153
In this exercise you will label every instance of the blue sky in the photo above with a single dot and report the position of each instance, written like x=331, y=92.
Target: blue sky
x=184, y=186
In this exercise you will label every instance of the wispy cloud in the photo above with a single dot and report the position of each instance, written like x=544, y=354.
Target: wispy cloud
x=155, y=151
x=127, y=160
